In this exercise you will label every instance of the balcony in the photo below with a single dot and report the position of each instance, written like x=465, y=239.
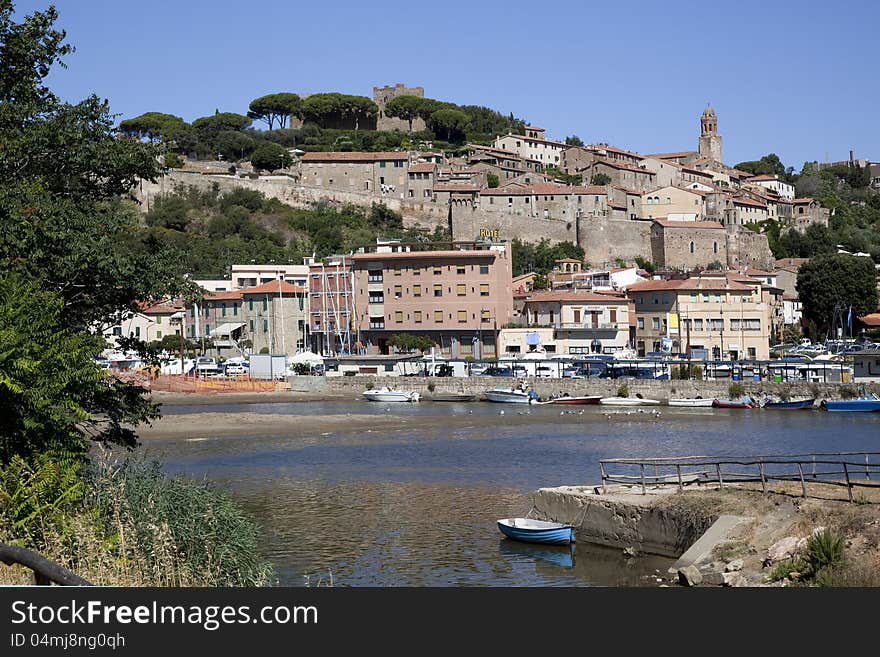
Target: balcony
x=601, y=326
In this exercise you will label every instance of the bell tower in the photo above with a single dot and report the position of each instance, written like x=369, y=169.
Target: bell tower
x=710, y=140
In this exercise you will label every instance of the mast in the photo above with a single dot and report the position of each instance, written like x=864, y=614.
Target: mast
x=281, y=304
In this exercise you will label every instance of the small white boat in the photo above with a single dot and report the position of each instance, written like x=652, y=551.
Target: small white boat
x=628, y=401
x=691, y=402
x=512, y=396
x=386, y=394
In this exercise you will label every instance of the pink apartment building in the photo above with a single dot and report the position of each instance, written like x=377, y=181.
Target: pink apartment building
x=459, y=298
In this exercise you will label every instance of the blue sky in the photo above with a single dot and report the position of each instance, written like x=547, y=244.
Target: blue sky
x=795, y=78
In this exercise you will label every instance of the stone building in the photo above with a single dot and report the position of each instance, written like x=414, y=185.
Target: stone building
x=673, y=203
x=381, y=174
x=623, y=175
x=458, y=298
x=532, y=146
x=688, y=244
x=381, y=96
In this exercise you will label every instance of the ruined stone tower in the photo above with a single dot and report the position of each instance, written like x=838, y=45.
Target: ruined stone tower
x=710, y=140
x=382, y=95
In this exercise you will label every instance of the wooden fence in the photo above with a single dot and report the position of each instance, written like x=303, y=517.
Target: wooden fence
x=827, y=468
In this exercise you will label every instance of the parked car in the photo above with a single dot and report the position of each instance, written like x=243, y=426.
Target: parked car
x=205, y=365
x=497, y=371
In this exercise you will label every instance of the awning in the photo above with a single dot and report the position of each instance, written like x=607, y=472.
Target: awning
x=227, y=329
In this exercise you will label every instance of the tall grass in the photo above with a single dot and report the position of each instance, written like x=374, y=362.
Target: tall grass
x=130, y=525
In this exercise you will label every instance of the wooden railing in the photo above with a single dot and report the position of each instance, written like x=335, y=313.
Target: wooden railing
x=45, y=572
x=828, y=468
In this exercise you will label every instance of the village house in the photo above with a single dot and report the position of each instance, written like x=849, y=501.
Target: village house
x=532, y=146
x=383, y=173
x=688, y=244
x=673, y=203
x=621, y=175
x=703, y=317
x=458, y=297
x=773, y=183
x=546, y=200
x=582, y=323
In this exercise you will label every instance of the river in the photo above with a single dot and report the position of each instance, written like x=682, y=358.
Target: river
x=417, y=506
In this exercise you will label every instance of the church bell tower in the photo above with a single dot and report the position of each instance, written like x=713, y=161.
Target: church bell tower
x=710, y=140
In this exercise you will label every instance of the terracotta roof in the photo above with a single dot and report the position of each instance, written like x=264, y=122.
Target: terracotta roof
x=625, y=167
x=803, y=201
x=697, y=171
x=666, y=223
x=573, y=296
x=163, y=308
x=740, y=200
x=687, y=284
x=759, y=272
x=790, y=296
x=532, y=127
x=790, y=263
x=422, y=167
x=223, y=296
x=541, y=189
x=764, y=178
x=631, y=192
x=669, y=156
x=455, y=187
x=612, y=149
x=275, y=287
x=354, y=156
x=487, y=253
x=538, y=139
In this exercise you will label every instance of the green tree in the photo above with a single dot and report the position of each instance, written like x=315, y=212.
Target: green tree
x=63, y=172
x=335, y=110
x=275, y=107
x=600, y=179
x=409, y=342
x=828, y=280
x=209, y=127
x=234, y=146
x=270, y=156
x=492, y=180
x=574, y=140
x=409, y=108
x=450, y=123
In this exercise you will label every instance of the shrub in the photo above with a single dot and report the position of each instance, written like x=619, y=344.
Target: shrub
x=623, y=391
x=736, y=390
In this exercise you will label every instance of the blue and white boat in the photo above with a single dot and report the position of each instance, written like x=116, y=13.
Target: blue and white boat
x=869, y=402
x=537, y=531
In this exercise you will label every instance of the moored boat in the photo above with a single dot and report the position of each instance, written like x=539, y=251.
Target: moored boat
x=691, y=402
x=865, y=403
x=590, y=399
x=628, y=401
x=745, y=402
x=537, y=531
x=512, y=396
x=790, y=405
x=451, y=397
x=386, y=394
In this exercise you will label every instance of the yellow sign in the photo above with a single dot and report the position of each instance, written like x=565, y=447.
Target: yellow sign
x=489, y=233
x=672, y=323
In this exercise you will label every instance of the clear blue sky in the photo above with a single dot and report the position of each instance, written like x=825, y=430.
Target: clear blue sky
x=795, y=78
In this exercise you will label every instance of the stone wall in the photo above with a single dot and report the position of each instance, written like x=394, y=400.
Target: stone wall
x=688, y=248
x=747, y=248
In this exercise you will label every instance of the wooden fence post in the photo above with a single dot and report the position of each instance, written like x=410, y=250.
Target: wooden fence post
x=763, y=480
x=642, y=466
x=604, y=477
x=867, y=470
x=803, y=485
x=678, y=469
x=848, y=486
x=718, y=472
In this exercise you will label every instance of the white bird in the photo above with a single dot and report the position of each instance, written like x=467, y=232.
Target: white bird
x=500, y=412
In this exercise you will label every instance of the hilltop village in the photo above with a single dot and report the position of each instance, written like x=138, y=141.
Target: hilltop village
x=685, y=213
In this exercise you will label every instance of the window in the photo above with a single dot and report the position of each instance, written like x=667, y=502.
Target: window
x=398, y=164
x=265, y=326
x=251, y=306
x=714, y=247
x=251, y=325
x=752, y=353
x=641, y=322
x=715, y=324
x=462, y=316
x=461, y=289
x=376, y=297
x=705, y=297
x=158, y=320
x=223, y=310
x=416, y=272
x=158, y=334
x=484, y=269
x=438, y=271
x=397, y=270
x=484, y=289
x=235, y=310
x=417, y=290
x=398, y=316
x=655, y=323
x=666, y=297
x=398, y=291
x=698, y=324
x=484, y=316
x=460, y=270
x=192, y=311
x=693, y=297
x=438, y=290
x=691, y=247
x=417, y=316
x=374, y=276
x=265, y=304
x=577, y=315
x=382, y=165
x=438, y=316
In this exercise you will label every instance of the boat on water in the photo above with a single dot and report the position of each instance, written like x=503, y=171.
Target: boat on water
x=513, y=396
x=628, y=401
x=865, y=403
x=451, y=397
x=537, y=531
x=745, y=402
x=796, y=404
x=691, y=402
x=386, y=394
x=565, y=399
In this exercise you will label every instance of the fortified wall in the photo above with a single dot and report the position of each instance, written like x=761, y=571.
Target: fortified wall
x=604, y=240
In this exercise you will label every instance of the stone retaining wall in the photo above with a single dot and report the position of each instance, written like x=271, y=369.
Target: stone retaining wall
x=476, y=385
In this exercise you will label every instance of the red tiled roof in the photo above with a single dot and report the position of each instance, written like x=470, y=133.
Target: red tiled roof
x=486, y=253
x=541, y=189
x=669, y=156
x=422, y=167
x=802, y=201
x=354, y=156
x=666, y=223
x=163, y=308
x=741, y=200
x=762, y=178
x=626, y=167
x=573, y=296
x=687, y=284
x=697, y=171
x=276, y=287
x=532, y=127
x=223, y=296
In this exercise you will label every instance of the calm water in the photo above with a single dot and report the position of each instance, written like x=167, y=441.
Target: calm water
x=417, y=506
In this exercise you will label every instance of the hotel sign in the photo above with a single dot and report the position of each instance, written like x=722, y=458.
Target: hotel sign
x=489, y=233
